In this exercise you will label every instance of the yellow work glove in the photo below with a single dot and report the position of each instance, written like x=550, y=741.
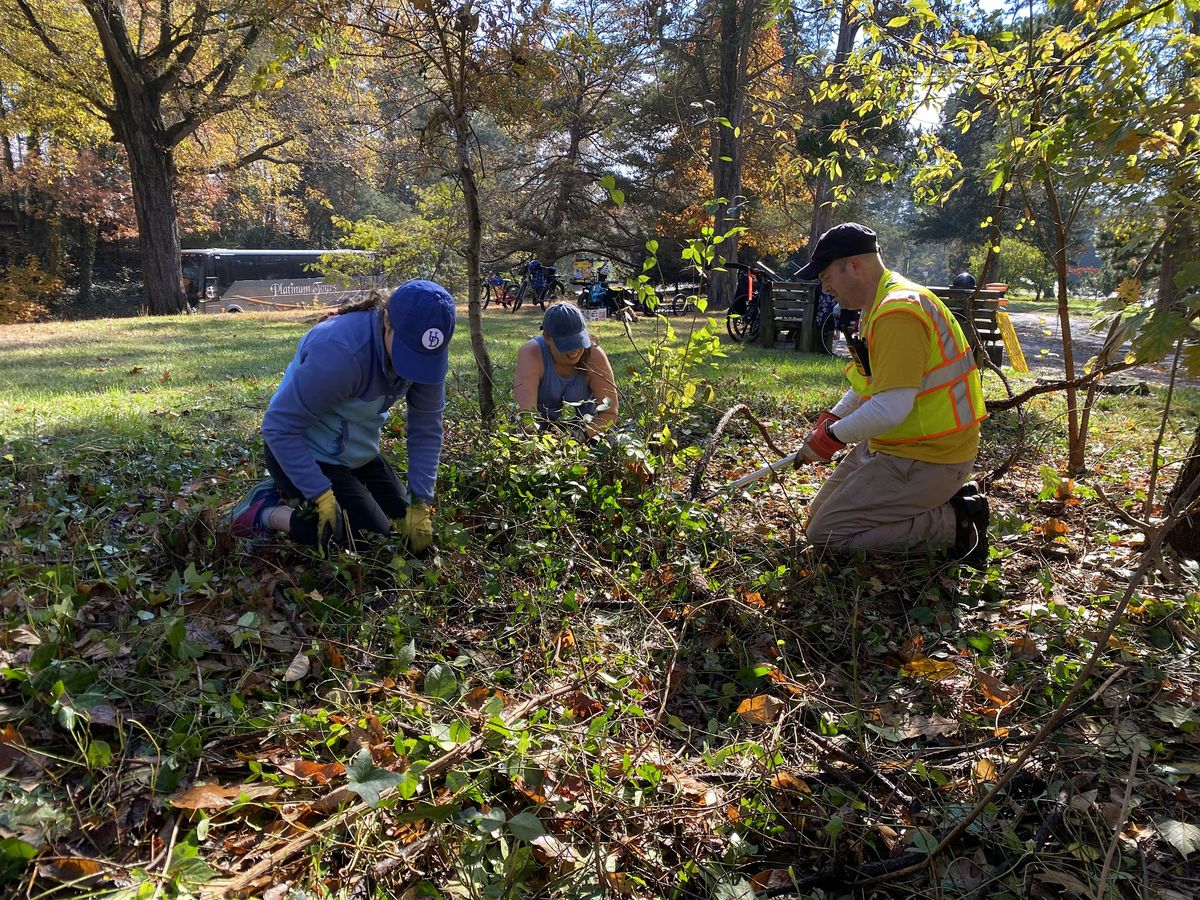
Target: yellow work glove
x=417, y=526
x=329, y=520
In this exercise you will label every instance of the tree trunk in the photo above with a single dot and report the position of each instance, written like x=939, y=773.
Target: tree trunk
x=1076, y=440
x=137, y=122
x=55, y=256
x=152, y=171
x=737, y=26
x=1184, y=536
x=1180, y=248
x=88, y=236
x=569, y=176
x=470, y=189
x=823, y=189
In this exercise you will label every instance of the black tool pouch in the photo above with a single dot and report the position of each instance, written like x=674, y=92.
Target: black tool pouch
x=860, y=355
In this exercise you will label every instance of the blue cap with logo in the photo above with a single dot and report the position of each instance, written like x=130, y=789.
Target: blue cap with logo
x=422, y=317
x=565, y=324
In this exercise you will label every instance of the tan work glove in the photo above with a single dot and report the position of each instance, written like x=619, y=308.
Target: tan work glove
x=417, y=526
x=329, y=520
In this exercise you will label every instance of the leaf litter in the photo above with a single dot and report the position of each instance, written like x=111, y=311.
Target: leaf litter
x=767, y=712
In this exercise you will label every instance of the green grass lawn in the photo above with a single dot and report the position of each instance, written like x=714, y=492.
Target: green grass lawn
x=176, y=706
x=113, y=373
x=1079, y=306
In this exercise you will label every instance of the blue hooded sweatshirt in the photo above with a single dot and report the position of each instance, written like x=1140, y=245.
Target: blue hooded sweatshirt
x=334, y=400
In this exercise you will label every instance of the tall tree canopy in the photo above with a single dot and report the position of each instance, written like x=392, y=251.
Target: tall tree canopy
x=155, y=73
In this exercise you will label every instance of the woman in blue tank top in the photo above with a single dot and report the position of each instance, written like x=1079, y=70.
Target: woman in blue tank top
x=563, y=375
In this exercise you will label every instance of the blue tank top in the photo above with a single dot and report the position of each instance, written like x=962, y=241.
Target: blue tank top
x=554, y=390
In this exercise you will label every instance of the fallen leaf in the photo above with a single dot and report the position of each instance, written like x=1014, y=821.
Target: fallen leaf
x=337, y=659
x=996, y=690
x=70, y=868
x=985, y=770
x=216, y=796
x=926, y=726
x=15, y=760
x=694, y=789
x=966, y=874
x=166, y=376
x=770, y=879
x=25, y=636
x=103, y=713
x=752, y=598
x=1183, y=836
x=1053, y=528
x=1065, y=880
x=559, y=857
x=307, y=770
x=785, y=781
x=930, y=669
x=564, y=640
x=788, y=684
x=298, y=667
x=1023, y=647
x=760, y=710
x=619, y=882
x=581, y=706
x=477, y=698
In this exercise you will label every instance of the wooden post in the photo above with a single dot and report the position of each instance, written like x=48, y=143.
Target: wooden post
x=808, y=326
x=766, y=316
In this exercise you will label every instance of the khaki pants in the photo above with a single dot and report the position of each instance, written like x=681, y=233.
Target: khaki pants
x=876, y=501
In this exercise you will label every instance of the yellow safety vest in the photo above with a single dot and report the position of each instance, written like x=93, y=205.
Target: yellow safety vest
x=950, y=398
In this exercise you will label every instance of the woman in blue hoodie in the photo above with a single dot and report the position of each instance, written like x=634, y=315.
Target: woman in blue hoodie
x=322, y=426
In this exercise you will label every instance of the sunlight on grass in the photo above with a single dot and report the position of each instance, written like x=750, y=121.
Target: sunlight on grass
x=116, y=373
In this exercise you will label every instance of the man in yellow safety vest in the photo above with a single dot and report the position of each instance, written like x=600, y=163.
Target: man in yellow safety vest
x=913, y=410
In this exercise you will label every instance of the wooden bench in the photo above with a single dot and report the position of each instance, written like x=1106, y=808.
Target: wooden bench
x=788, y=311
x=789, y=316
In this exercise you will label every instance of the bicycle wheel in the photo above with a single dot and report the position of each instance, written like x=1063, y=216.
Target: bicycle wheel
x=828, y=335
x=487, y=294
x=551, y=293
x=737, y=326
x=519, y=296
x=753, y=323
x=682, y=304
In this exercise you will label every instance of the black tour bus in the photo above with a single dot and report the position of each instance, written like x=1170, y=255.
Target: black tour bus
x=271, y=280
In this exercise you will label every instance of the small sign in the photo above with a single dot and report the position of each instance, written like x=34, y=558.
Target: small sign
x=595, y=315
x=585, y=269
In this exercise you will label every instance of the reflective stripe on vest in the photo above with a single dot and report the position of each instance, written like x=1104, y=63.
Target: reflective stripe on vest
x=950, y=397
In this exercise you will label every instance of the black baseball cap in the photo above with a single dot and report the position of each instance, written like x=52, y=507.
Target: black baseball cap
x=847, y=239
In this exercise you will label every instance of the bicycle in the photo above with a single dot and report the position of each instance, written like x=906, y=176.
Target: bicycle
x=601, y=294
x=744, y=318
x=498, y=288
x=539, y=283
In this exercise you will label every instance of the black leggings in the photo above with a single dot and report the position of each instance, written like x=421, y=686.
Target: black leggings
x=370, y=497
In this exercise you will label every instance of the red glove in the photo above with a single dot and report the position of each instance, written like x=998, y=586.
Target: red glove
x=821, y=443
x=802, y=457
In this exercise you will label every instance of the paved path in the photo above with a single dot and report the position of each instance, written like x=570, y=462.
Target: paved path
x=1041, y=341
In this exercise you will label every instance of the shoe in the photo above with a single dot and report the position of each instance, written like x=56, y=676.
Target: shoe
x=970, y=489
x=245, y=518
x=972, y=516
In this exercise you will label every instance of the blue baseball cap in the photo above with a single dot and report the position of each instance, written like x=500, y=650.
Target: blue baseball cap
x=565, y=324
x=422, y=317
